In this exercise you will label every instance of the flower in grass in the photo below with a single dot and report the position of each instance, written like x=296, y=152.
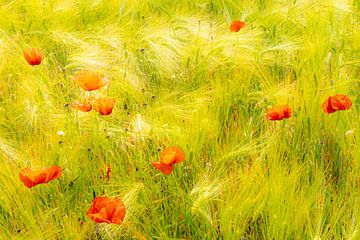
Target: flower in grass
x=106, y=210
x=90, y=81
x=236, y=25
x=168, y=158
x=33, y=56
x=31, y=178
x=102, y=105
x=336, y=103
x=278, y=113
x=83, y=107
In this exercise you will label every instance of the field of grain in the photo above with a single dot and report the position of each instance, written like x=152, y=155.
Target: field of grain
x=197, y=144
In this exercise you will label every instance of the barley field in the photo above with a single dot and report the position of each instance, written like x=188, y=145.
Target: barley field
x=186, y=119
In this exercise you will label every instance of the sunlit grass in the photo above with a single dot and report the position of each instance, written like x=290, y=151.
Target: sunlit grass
x=181, y=78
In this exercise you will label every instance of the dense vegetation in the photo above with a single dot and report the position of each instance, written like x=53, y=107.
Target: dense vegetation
x=180, y=77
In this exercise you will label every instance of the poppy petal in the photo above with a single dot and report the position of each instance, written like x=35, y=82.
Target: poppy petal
x=340, y=102
x=336, y=103
x=236, y=25
x=103, y=105
x=278, y=113
x=90, y=81
x=118, y=215
x=53, y=173
x=31, y=178
x=82, y=107
x=33, y=56
x=168, y=156
x=164, y=168
x=106, y=210
x=327, y=107
x=172, y=155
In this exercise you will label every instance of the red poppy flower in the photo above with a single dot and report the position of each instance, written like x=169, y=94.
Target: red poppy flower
x=102, y=105
x=336, y=103
x=106, y=210
x=279, y=113
x=236, y=25
x=31, y=178
x=90, y=81
x=33, y=56
x=168, y=157
x=82, y=107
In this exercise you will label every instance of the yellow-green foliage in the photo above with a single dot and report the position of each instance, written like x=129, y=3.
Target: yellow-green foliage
x=180, y=77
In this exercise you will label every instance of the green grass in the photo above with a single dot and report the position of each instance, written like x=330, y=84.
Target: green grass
x=243, y=177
